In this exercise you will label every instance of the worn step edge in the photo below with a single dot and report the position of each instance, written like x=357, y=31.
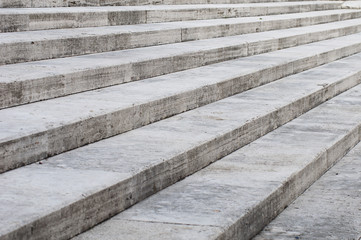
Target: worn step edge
x=40, y=45
x=333, y=202
x=66, y=123
x=92, y=3
x=352, y=4
x=14, y=20
x=58, y=77
x=238, y=195
x=125, y=177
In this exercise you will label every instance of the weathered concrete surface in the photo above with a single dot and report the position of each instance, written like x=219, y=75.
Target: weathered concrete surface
x=329, y=209
x=65, y=123
x=245, y=190
x=352, y=4
x=129, y=167
x=18, y=19
x=38, y=45
x=154, y=231
x=65, y=195
x=77, y=3
x=33, y=81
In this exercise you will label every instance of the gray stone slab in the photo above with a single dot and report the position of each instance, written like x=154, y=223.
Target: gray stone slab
x=352, y=4
x=243, y=191
x=32, y=132
x=29, y=19
x=141, y=162
x=329, y=209
x=77, y=3
x=39, y=45
x=26, y=82
x=155, y=231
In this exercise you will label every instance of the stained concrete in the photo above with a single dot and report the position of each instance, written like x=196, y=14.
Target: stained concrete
x=29, y=19
x=65, y=123
x=77, y=3
x=329, y=209
x=243, y=191
x=141, y=162
x=57, y=77
x=352, y=4
x=38, y=45
x=62, y=196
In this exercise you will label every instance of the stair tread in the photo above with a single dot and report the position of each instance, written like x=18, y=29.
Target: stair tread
x=98, y=102
x=31, y=81
x=121, y=158
x=233, y=196
x=52, y=34
x=27, y=19
x=51, y=67
x=151, y=7
x=142, y=102
x=68, y=3
x=39, y=45
x=333, y=202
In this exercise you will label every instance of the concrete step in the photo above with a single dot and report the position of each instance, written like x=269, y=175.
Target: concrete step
x=238, y=195
x=354, y=4
x=329, y=209
x=72, y=192
x=80, y=3
x=32, y=132
x=28, y=82
x=38, y=45
x=22, y=19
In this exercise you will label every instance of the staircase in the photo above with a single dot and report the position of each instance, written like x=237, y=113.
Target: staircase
x=170, y=119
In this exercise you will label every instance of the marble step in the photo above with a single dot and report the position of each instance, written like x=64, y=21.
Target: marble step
x=35, y=131
x=329, y=209
x=64, y=195
x=19, y=47
x=238, y=195
x=29, y=19
x=81, y=3
x=33, y=81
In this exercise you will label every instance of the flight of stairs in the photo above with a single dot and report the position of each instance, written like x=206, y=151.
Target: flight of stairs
x=194, y=119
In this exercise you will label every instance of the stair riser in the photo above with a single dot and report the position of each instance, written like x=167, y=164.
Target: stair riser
x=66, y=47
x=81, y=3
x=41, y=21
x=120, y=196
x=262, y=214
x=20, y=92
x=35, y=147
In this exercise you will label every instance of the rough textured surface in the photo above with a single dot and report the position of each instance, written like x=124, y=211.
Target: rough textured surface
x=138, y=163
x=218, y=108
x=12, y=20
x=329, y=209
x=243, y=191
x=38, y=45
x=77, y=3
x=352, y=4
x=65, y=123
x=27, y=82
